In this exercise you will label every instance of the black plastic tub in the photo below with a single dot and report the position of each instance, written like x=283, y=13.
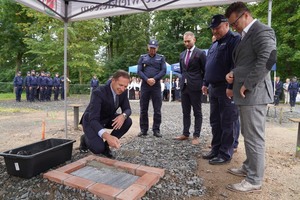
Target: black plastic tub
x=30, y=160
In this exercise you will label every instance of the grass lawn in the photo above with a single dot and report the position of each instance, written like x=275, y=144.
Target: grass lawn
x=8, y=96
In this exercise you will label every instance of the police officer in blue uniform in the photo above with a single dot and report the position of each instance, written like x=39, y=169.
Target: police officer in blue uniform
x=33, y=84
x=26, y=84
x=56, y=85
x=37, y=95
x=18, y=84
x=293, y=90
x=43, y=86
x=94, y=83
x=223, y=111
x=49, y=86
x=151, y=69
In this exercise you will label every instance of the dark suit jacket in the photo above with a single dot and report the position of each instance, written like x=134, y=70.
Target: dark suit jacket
x=278, y=87
x=194, y=73
x=101, y=110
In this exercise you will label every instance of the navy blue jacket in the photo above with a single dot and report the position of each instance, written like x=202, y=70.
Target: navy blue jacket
x=49, y=81
x=18, y=81
x=101, y=110
x=33, y=81
x=152, y=67
x=219, y=61
x=56, y=82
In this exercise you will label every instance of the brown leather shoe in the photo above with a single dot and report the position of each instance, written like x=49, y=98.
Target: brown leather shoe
x=181, y=137
x=195, y=141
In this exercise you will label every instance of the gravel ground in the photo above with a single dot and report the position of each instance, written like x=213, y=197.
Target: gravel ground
x=178, y=158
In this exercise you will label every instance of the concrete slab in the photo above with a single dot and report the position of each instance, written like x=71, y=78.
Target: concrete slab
x=106, y=178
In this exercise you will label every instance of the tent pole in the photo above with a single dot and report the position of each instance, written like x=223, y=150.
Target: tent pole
x=170, y=90
x=65, y=75
x=269, y=24
x=270, y=13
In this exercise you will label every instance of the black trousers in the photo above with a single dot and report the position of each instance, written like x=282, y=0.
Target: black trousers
x=96, y=143
x=18, y=91
x=153, y=93
x=223, y=121
x=191, y=99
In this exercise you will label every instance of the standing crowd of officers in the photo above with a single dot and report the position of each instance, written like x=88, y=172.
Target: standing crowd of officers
x=289, y=89
x=39, y=86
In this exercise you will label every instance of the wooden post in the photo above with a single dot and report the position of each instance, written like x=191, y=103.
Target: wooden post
x=76, y=114
x=298, y=142
x=298, y=137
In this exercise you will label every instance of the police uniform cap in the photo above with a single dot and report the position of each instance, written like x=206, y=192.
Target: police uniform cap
x=216, y=20
x=153, y=43
x=19, y=72
x=28, y=72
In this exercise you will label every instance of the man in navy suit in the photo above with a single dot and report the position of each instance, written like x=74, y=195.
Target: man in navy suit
x=101, y=114
x=192, y=66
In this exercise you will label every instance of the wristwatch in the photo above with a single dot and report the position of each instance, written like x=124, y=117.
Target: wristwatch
x=124, y=115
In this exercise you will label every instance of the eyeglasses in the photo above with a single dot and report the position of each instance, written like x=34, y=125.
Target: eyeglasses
x=235, y=22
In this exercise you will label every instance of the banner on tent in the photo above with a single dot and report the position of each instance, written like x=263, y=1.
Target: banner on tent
x=88, y=9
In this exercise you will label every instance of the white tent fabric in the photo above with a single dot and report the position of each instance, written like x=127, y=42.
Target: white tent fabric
x=76, y=10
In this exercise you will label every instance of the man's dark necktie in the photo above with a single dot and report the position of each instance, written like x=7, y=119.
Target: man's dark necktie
x=117, y=101
x=187, y=59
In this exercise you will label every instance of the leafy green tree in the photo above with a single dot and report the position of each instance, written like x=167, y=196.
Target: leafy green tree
x=286, y=23
x=45, y=39
x=126, y=39
x=169, y=27
x=12, y=47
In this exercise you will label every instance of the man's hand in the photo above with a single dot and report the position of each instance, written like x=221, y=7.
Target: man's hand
x=151, y=81
x=204, y=90
x=112, y=141
x=229, y=93
x=118, y=122
x=242, y=91
x=229, y=77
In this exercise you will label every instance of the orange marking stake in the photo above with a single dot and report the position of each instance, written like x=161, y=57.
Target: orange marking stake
x=43, y=129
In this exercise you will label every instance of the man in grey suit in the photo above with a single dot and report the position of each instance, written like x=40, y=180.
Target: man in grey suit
x=253, y=59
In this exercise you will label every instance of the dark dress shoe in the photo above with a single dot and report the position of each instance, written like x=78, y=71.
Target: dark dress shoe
x=83, y=147
x=210, y=155
x=218, y=161
x=107, y=152
x=157, y=134
x=142, y=133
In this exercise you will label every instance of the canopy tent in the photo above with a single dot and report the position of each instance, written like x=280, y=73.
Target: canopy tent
x=133, y=69
x=76, y=10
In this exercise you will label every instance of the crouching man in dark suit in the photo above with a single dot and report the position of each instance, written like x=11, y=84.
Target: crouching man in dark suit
x=101, y=114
